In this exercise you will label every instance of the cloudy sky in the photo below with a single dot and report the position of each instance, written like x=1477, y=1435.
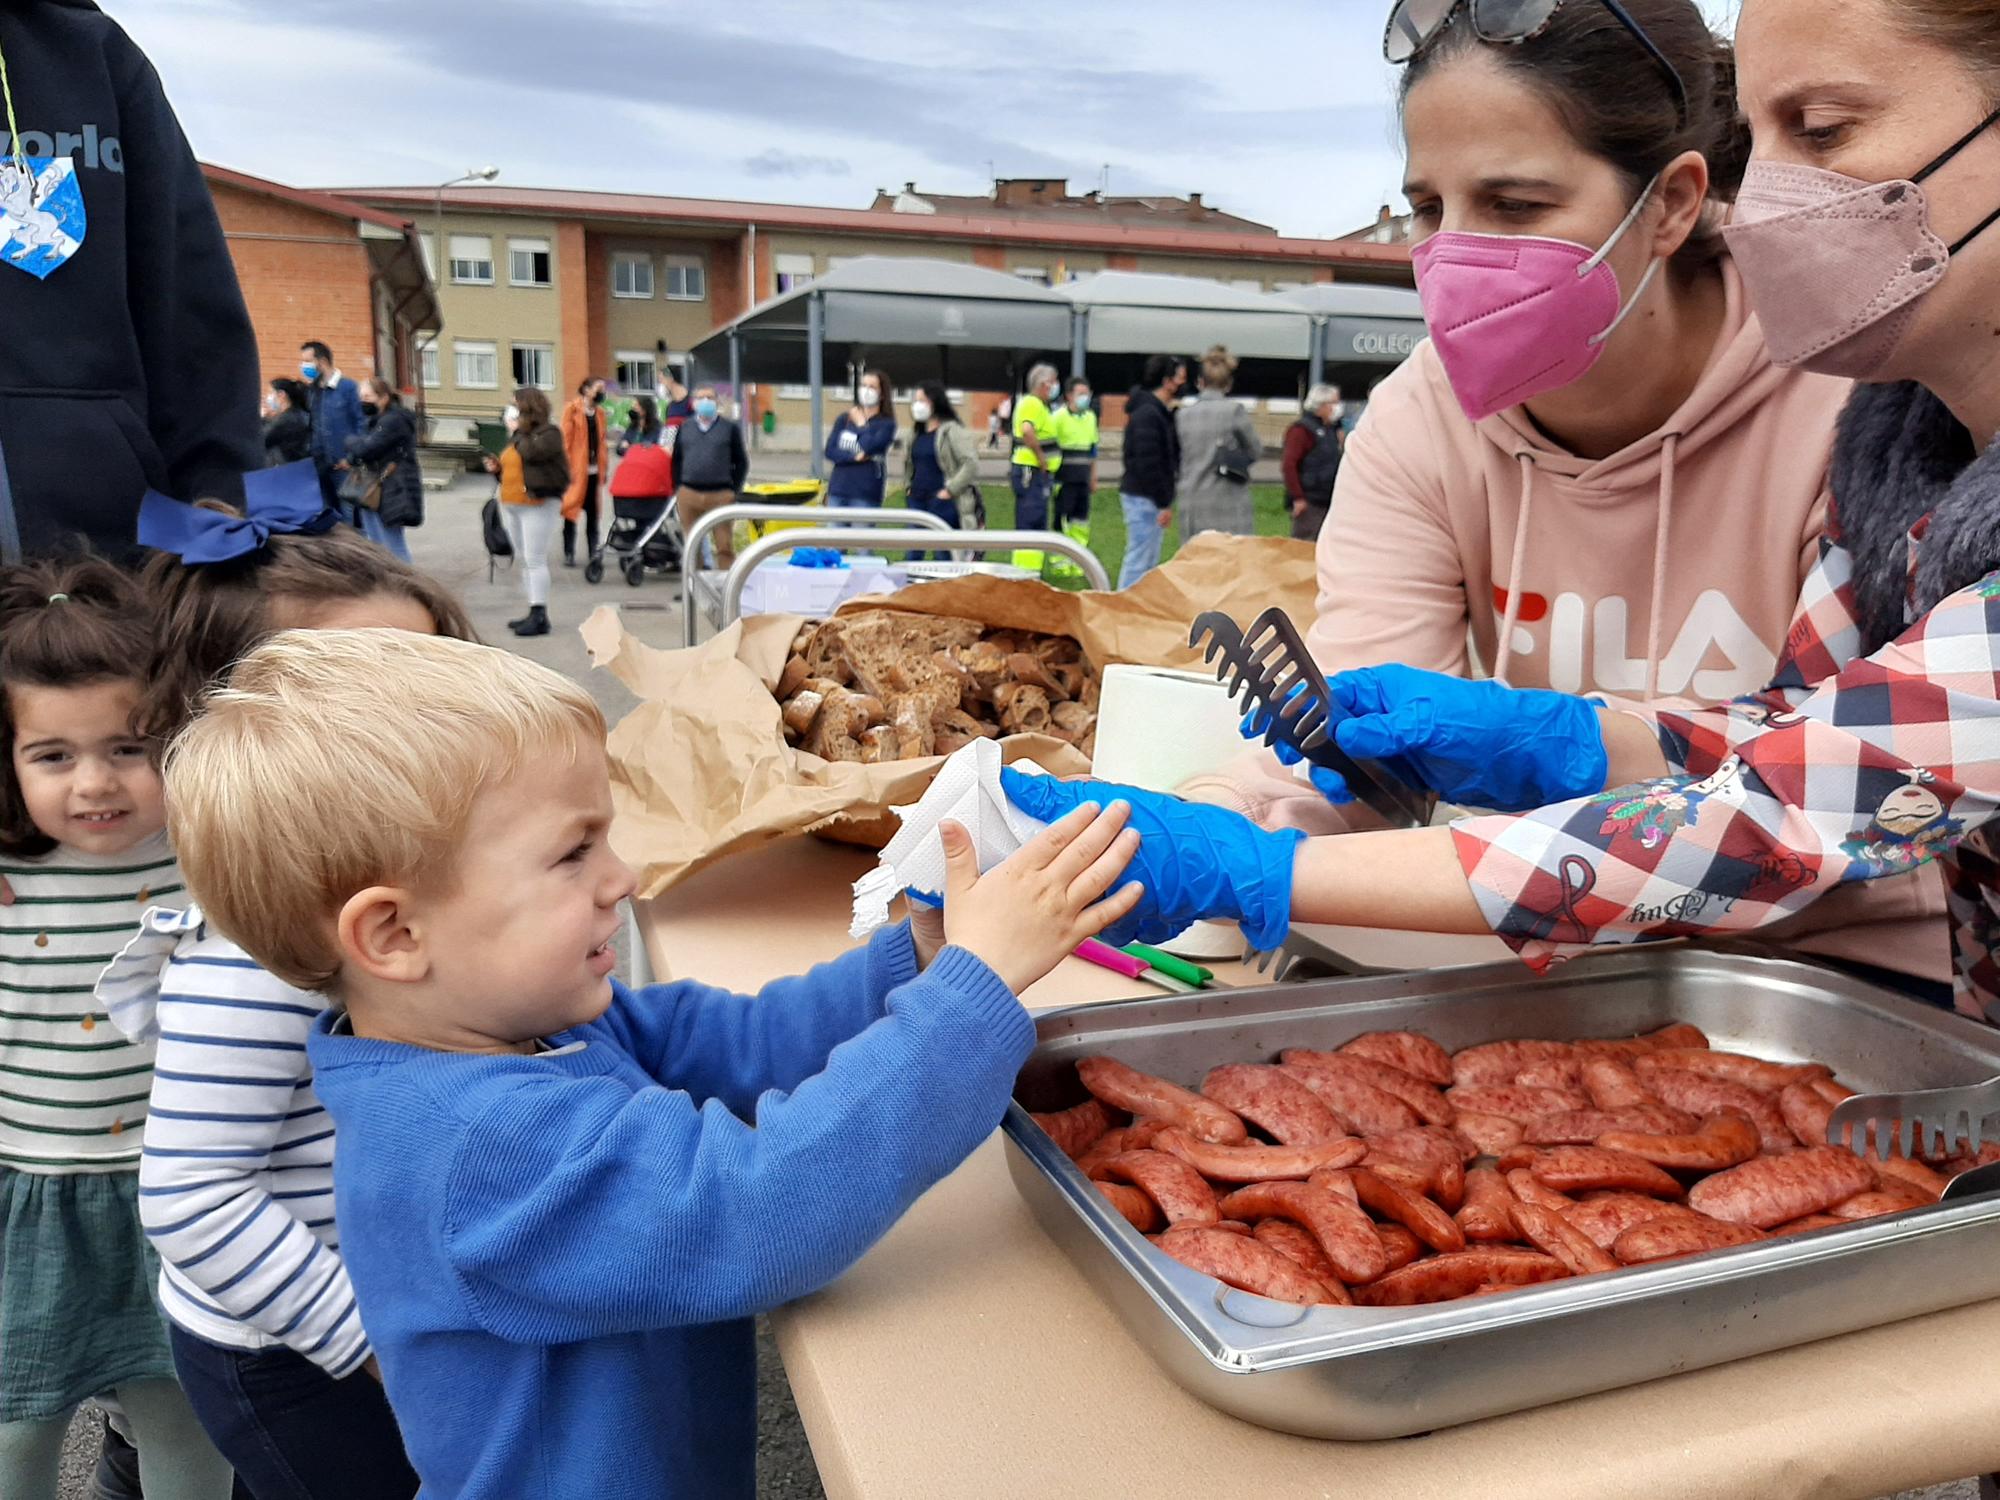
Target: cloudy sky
x=1275, y=109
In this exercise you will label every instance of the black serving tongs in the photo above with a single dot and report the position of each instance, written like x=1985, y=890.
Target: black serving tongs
x=1269, y=671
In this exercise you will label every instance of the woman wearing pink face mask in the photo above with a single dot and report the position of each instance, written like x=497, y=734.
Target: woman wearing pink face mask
x=1864, y=236
x=1592, y=477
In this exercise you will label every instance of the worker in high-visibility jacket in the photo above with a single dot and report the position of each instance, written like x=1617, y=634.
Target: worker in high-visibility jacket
x=1036, y=459
x=1074, y=424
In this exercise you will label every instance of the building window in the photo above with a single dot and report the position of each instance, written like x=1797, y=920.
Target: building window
x=528, y=263
x=476, y=366
x=1037, y=274
x=535, y=364
x=793, y=271
x=427, y=358
x=637, y=370
x=427, y=244
x=472, y=259
x=631, y=275
x=687, y=279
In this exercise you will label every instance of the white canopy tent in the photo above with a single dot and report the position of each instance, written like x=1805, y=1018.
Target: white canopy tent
x=971, y=327
x=928, y=319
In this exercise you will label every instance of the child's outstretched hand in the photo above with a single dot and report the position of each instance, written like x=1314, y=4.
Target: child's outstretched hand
x=1028, y=913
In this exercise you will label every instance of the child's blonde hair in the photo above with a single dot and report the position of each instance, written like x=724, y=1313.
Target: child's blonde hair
x=339, y=759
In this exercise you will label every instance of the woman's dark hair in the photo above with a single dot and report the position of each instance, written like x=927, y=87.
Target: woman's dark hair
x=533, y=405
x=209, y=617
x=942, y=410
x=1616, y=103
x=387, y=392
x=293, y=391
x=645, y=415
x=586, y=383
x=66, y=624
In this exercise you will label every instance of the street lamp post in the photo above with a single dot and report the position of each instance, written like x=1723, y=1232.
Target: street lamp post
x=473, y=174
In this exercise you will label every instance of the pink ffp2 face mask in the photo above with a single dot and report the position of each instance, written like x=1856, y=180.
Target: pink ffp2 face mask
x=1833, y=266
x=1513, y=317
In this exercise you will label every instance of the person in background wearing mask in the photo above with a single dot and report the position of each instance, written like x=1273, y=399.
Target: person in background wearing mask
x=1152, y=465
x=644, y=428
x=287, y=423
x=1073, y=425
x=584, y=441
x=389, y=446
x=1312, y=460
x=336, y=417
x=941, y=472
x=1035, y=459
x=710, y=465
x=861, y=436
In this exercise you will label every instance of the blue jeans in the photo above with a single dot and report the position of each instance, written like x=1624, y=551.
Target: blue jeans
x=1144, y=526
x=292, y=1431
x=390, y=537
x=946, y=511
x=1031, y=497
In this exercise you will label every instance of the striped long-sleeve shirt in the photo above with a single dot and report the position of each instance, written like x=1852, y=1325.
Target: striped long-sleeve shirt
x=72, y=1089
x=236, y=1183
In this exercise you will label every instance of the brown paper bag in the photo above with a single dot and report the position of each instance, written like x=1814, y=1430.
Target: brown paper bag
x=700, y=769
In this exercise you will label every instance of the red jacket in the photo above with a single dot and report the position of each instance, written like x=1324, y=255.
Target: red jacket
x=1299, y=440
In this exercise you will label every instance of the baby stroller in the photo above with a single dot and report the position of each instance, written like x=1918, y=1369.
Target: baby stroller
x=641, y=532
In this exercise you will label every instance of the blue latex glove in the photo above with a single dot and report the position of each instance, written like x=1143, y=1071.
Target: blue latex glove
x=1195, y=861
x=1331, y=784
x=1480, y=743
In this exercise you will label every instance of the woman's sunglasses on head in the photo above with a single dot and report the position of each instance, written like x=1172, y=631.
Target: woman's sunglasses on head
x=1415, y=24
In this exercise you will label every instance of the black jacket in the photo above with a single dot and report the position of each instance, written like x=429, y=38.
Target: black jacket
x=134, y=364
x=1152, y=448
x=288, y=436
x=392, y=439
x=544, y=466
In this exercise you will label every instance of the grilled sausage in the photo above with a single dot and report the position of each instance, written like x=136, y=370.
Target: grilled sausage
x=1777, y=1189
x=1418, y=1056
x=1142, y=1094
x=1275, y=1102
x=1258, y=1163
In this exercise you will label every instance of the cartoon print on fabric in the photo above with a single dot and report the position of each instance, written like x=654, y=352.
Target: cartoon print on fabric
x=41, y=213
x=1909, y=827
x=1652, y=810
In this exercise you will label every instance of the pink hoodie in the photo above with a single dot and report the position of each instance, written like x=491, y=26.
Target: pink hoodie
x=1668, y=570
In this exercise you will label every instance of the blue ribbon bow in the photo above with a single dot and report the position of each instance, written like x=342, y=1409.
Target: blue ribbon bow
x=284, y=501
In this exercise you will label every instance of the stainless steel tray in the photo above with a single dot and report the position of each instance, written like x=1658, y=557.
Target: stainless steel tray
x=1377, y=1373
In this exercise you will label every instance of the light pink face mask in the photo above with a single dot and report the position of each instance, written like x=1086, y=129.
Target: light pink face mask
x=1832, y=265
x=1514, y=316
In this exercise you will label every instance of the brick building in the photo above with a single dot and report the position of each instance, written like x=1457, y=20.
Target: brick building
x=315, y=266
x=542, y=286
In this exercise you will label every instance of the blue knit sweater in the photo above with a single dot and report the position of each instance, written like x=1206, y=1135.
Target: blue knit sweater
x=557, y=1256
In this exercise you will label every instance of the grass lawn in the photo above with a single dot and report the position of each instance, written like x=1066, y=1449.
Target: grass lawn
x=1107, y=521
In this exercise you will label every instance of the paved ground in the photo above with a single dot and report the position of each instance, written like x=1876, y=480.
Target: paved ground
x=448, y=545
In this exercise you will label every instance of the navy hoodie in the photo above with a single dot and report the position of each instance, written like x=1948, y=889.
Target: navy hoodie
x=135, y=363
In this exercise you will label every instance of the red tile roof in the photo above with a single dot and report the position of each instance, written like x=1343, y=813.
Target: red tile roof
x=726, y=214
x=326, y=202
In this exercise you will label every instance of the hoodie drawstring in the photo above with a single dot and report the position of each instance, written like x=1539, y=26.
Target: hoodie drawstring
x=1512, y=610
x=1662, y=535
